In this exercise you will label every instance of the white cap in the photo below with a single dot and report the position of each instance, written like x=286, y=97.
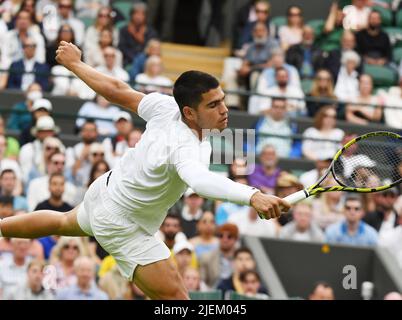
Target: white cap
x=189, y=192
x=96, y=147
x=122, y=115
x=42, y=104
x=182, y=245
x=45, y=123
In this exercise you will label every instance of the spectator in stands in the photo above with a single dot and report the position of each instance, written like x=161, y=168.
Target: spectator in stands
x=182, y=252
x=322, y=291
x=192, y=280
x=352, y=230
x=11, y=47
x=243, y=260
x=327, y=209
x=20, y=116
x=119, y=143
x=246, y=33
x=385, y=216
x=356, y=15
x=334, y=22
x=85, y=288
x=14, y=271
x=65, y=33
x=102, y=109
x=24, y=72
x=347, y=81
x=152, y=79
x=38, y=189
x=391, y=240
x=32, y=289
x=134, y=37
x=115, y=285
x=56, y=189
x=97, y=170
x=250, y=224
x=373, y=43
x=191, y=212
x=90, y=8
x=266, y=174
x=333, y=62
x=153, y=48
x=65, y=16
x=393, y=296
x=63, y=255
x=258, y=54
x=275, y=122
x=251, y=283
x=133, y=138
x=267, y=78
x=324, y=129
x=292, y=33
x=12, y=147
x=9, y=9
x=170, y=231
x=8, y=186
x=306, y=56
x=205, y=241
x=111, y=66
x=303, y=227
x=41, y=107
x=31, y=155
x=238, y=168
x=371, y=108
x=322, y=88
x=282, y=89
x=82, y=166
x=217, y=264
x=9, y=163
x=94, y=55
x=89, y=134
x=393, y=98
x=6, y=206
x=321, y=164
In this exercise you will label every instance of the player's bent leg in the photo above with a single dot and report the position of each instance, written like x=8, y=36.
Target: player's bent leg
x=42, y=223
x=161, y=281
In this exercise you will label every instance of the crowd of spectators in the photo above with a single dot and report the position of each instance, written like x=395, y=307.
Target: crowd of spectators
x=38, y=171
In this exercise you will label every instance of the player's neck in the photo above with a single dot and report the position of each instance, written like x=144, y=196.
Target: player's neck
x=194, y=127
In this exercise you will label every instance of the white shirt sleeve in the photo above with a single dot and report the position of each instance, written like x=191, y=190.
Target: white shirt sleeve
x=156, y=105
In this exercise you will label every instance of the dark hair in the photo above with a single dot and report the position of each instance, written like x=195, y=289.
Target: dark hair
x=190, y=86
x=244, y=274
x=7, y=171
x=6, y=200
x=59, y=33
x=242, y=250
x=94, y=168
x=172, y=216
x=54, y=175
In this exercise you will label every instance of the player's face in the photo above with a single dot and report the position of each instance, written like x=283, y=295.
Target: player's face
x=212, y=112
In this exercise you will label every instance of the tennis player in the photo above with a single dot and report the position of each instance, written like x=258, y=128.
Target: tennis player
x=124, y=208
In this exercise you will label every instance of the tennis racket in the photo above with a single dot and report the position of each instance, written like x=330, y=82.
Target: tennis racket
x=369, y=163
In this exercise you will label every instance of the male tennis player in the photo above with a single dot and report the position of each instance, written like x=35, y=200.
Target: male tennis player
x=124, y=208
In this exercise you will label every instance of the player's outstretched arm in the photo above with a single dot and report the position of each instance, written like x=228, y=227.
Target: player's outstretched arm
x=214, y=186
x=114, y=90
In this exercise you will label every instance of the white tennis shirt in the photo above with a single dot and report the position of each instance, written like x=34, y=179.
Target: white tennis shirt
x=151, y=178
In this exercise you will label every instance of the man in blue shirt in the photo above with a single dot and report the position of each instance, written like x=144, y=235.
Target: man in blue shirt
x=352, y=230
x=85, y=288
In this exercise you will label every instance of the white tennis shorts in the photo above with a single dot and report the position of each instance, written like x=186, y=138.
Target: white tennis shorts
x=129, y=244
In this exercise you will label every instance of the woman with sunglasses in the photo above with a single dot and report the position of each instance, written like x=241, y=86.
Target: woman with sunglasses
x=292, y=33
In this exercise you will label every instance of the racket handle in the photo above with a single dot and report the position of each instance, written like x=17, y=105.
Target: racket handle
x=296, y=197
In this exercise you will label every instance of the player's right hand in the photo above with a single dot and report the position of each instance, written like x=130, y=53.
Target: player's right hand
x=67, y=54
x=267, y=206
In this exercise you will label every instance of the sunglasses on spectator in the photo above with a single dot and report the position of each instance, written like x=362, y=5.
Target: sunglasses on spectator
x=65, y=6
x=48, y=148
x=96, y=154
x=352, y=208
x=104, y=15
x=261, y=11
x=58, y=162
x=67, y=246
x=29, y=46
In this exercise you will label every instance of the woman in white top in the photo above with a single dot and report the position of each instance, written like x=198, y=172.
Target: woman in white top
x=324, y=128
x=371, y=108
x=393, y=98
x=292, y=33
x=347, y=84
x=356, y=15
x=103, y=21
x=152, y=78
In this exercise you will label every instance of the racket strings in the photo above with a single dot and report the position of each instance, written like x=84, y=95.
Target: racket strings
x=370, y=163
